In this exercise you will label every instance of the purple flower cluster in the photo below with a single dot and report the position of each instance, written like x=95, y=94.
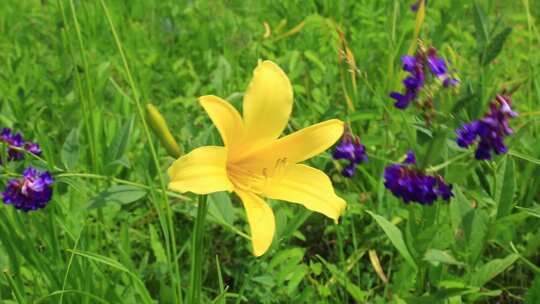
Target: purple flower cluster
x=413, y=185
x=413, y=83
x=491, y=129
x=352, y=150
x=438, y=68
x=15, y=143
x=416, y=67
x=32, y=192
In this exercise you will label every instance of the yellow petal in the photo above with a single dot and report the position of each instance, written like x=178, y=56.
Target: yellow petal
x=267, y=103
x=295, y=147
x=201, y=171
x=225, y=117
x=261, y=221
x=307, y=186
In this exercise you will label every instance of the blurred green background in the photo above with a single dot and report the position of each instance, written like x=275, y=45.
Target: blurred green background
x=64, y=84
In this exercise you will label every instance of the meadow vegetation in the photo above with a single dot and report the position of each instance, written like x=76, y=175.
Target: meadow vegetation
x=77, y=76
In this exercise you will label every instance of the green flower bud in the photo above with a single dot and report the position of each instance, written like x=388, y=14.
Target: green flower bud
x=159, y=126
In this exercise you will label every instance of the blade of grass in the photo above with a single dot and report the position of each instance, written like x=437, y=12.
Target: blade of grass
x=139, y=285
x=170, y=234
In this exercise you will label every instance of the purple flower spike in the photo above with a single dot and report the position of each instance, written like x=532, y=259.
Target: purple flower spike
x=467, y=134
x=437, y=65
x=30, y=193
x=14, y=143
x=410, y=159
x=443, y=189
x=491, y=129
x=352, y=150
x=409, y=63
x=413, y=83
x=32, y=148
x=349, y=170
x=402, y=101
x=345, y=149
x=413, y=185
x=425, y=62
x=450, y=82
x=439, y=69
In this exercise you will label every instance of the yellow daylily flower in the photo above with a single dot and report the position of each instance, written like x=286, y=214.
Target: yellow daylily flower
x=255, y=163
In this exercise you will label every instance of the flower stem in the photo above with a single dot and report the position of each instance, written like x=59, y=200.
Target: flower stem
x=195, y=279
x=118, y=181
x=169, y=232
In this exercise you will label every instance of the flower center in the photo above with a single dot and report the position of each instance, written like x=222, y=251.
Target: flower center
x=256, y=177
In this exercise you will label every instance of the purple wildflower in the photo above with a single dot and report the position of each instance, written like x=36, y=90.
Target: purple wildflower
x=439, y=69
x=32, y=147
x=413, y=185
x=352, y=150
x=14, y=143
x=417, y=66
x=443, y=189
x=32, y=192
x=413, y=83
x=410, y=159
x=491, y=129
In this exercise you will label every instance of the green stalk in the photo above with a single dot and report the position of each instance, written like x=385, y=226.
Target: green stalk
x=195, y=283
x=68, y=269
x=115, y=180
x=170, y=239
x=16, y=292
x=87, y=99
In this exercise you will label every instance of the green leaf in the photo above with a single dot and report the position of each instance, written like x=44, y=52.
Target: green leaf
x=316, y=268
x=475, y=225
x=122, y=194
x=139, y=285
x=364, y=115
x=288, y=256
x=435, y=147
x=458, y=208
x=296, y=277
x=436, y=256
x=70, y=150
x=395, y=236
x=481, y=27
x=495, y=45
x=157, y=247
x=533, y=294
x=120, y=141
x=524, y=157
x=484, y=181
x=312, y=56
x=221, y=208
x=356, y=292
x=441, y=295
x=490, y=270
x=532, y=211
x=505, y=204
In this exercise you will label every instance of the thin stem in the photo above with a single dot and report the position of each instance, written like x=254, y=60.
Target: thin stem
x=14, y=288
x=447, y=163
x=64, y=283
x=119, y=181
x=170, y=234
x=87, y=103
x=194, y=295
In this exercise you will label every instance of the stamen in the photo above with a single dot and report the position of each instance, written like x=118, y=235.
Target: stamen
x=250, y=180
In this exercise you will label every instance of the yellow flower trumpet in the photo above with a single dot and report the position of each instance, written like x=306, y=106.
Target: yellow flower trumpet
x=256, y=163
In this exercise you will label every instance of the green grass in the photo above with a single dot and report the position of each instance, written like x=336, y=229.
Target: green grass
x=76, y=76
